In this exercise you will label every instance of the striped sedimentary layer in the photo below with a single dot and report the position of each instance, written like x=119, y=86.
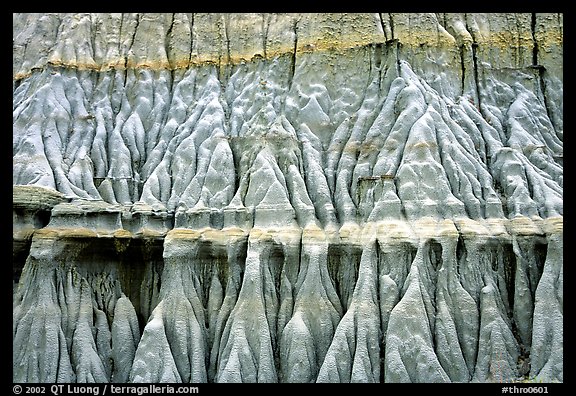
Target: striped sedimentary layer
x=287, y=198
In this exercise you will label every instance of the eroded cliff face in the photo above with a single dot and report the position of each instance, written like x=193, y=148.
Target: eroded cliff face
x=287, y=198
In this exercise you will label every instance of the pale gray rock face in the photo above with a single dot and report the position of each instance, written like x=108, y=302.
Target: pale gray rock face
x=287, y=198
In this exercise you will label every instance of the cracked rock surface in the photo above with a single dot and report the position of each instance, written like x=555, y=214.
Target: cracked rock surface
x=287, y=197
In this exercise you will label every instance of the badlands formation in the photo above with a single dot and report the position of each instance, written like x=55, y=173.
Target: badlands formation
x=287, y=197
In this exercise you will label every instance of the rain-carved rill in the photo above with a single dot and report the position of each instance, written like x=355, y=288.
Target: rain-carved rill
x=287, y=197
